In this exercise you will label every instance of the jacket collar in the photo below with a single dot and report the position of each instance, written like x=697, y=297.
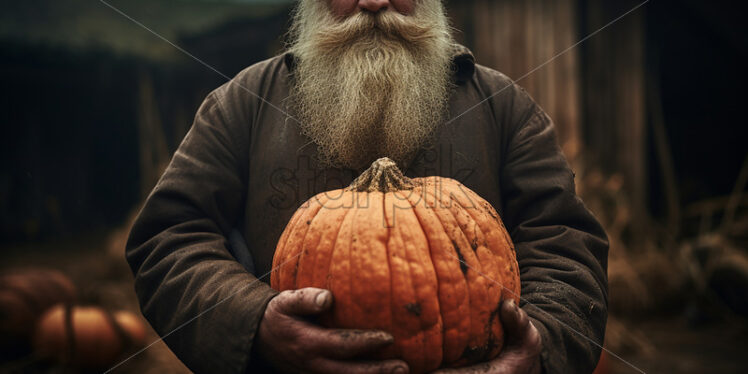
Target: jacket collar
x=463, y=63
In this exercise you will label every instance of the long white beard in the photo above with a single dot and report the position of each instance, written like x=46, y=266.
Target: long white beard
x=370, y=85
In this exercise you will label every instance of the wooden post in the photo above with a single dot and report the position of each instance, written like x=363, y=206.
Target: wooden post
x=615, y=103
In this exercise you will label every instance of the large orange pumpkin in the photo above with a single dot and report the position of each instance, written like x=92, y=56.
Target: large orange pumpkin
x=426, y=259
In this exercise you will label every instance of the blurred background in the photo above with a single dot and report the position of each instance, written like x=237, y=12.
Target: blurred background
x=649, y=110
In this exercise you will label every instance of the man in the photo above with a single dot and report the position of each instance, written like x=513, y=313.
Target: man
x=362, y=79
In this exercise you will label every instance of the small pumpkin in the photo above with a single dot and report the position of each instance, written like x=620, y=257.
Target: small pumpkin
x=425, y=259
x=25, y=294
x=88, y=338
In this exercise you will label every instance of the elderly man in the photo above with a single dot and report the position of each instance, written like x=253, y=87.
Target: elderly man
x=360, y=80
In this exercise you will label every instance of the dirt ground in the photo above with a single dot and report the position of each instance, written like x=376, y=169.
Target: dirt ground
x=675, y=347
x=96, y=265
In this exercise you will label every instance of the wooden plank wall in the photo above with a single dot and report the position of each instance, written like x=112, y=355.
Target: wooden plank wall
x=519, y=38
x=594, y=92
x=615, y=113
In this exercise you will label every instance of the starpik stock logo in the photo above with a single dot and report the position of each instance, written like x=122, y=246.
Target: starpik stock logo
x=305, y=184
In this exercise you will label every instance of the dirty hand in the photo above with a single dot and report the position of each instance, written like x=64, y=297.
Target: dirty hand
x=521, y=354
x=292, y=344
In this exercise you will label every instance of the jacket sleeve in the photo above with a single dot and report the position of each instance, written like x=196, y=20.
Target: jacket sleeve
x=197, y=297
x=561, y=248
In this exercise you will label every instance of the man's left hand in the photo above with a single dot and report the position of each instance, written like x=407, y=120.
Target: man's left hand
x=521, y=353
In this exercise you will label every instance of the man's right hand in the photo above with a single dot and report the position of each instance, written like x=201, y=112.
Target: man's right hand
x=291, y=344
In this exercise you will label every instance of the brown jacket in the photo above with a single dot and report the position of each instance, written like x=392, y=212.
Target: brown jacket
x=244, y=168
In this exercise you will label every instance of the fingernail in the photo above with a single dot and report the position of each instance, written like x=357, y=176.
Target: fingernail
x=321, y=299
x=399, y=370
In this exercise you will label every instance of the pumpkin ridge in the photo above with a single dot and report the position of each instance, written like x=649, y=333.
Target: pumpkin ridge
x=302, y=278
x=410, y=345
x=339, y=279
x=321, y=270
x=368, y=256
x=450, y=226
x=474, y=280
x=484, y=257
x=389, y=351
x=510, y=257
x=449, y=284
x=497, y=218
x=503, y=249
x=479, y=242
x=495, y=236
x=354, y=261
x=280, y=250
x=290, y=263
x=312, y=239
x=410, y=249
x=298, y=251
x=428, y=294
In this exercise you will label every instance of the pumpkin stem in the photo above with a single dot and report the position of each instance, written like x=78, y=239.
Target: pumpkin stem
x=384, y=176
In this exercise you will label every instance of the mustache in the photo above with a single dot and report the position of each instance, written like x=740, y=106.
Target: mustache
x=376, y=28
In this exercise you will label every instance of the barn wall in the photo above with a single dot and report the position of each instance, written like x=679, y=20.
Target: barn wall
x=594, y=90
x=523, y=39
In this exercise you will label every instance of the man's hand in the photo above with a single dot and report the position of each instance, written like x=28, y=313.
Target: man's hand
x=294, y=345
x=521, y=353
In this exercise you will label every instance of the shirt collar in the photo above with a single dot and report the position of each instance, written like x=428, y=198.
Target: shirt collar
x=463, y=63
